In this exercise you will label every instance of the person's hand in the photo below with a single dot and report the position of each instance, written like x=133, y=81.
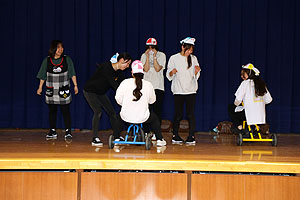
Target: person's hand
x=197, y=69
x=155, y=52
x=39, y=91
x=75, y=89
x=147, y=52
x=174, y=71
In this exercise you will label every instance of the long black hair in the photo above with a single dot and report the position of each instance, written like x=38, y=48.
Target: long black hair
x=139, y=85
x=126, y=56
x=53, y=48
x=259, y=84
x=189, y=58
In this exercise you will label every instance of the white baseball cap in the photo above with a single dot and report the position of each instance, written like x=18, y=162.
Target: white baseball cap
x=251, y=66
x=137, y=67
x=188, y=40
x=151, y=41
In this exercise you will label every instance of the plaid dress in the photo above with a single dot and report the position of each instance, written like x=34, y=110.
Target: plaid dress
x=58, y=83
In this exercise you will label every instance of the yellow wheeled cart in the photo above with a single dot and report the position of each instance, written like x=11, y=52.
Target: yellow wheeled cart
x=255, y=136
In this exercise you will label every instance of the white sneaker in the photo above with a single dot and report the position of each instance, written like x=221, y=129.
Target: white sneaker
x=153, y=137
x=161, y=142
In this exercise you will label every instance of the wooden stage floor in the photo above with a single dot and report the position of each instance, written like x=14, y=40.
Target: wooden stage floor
x=28, y=149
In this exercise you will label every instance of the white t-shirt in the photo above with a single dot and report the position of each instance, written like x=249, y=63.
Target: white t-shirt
x=154, y=77
x=254, y=105
x=134, y=111
x=185, y=80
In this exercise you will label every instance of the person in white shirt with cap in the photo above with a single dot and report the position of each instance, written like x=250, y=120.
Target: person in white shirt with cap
x=184, y=71
x=250, y=100
x=154, y=62
x=135, y=95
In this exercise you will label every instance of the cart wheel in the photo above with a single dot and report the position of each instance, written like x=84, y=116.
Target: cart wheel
x=239, y=140
x=148, y=142
x=110, y=142
x=274, y=139
x=142, y=135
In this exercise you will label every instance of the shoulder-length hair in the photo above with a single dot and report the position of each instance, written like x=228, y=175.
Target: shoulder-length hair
x=53, y=48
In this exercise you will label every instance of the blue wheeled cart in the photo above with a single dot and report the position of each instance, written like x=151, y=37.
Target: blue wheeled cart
x=134, y=135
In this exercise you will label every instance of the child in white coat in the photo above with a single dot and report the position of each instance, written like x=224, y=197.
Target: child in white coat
x=251, y=98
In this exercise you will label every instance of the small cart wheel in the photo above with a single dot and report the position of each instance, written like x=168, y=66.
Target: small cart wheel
x=148, y=142
x=111, y=142
x=141, y=135
x=239, y=140
x=274, y=139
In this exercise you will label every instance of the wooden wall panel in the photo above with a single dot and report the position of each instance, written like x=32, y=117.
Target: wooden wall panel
x=38, y=185
x=213, y=186
x=111, y=185
x=244, y=187
x=272, y=187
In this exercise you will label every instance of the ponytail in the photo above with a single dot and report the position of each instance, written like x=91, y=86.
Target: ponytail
x=259, y=84
x=139, y=85
x=189, y=58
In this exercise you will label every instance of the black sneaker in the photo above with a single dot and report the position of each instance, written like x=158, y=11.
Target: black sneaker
x=97, y=142
x=68, y=135
x=190, y=140
x=176, y=139
x=52, y=135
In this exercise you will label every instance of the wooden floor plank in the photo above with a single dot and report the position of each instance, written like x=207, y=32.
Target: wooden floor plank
x=28, y=149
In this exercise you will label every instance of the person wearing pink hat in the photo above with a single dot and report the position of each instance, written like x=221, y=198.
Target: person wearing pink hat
x=184, y=71
x=135, y=95
x=154, y=62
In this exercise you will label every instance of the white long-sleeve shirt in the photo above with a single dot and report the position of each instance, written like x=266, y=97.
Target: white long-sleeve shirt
x=135, y=111
x=154, y=77
x=184, y=81
x=254, y=105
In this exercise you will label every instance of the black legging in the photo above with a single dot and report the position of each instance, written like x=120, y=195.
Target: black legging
x=189, y=101
x=236, y=117
x=65, y=110
x=157, y=106
x=98, y=103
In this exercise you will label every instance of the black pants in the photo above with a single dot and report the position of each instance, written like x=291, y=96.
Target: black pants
x=157, y=106
x=236, y=117
x=65, y=110
x=189, y=101
x=152, y=121
x=98, y=103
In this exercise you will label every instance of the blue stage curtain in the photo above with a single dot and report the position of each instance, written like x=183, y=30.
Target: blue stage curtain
x=228, y=34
